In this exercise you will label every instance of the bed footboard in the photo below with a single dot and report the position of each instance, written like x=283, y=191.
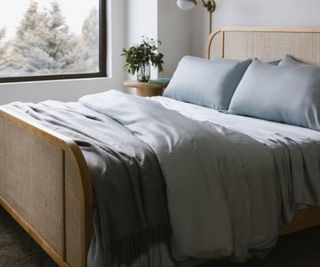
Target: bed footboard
x=45, y=185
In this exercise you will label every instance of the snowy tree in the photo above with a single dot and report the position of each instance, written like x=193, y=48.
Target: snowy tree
x=60, y=43
x=43, y=44
x=3, y=46
x=5, y=58
x=3, y=49
x=28, y=44
x=90, y=41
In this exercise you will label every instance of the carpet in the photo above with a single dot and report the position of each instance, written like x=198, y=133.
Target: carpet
x=17, y=248
x=301, y=249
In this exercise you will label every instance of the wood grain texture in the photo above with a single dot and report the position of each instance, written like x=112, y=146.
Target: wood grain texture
x=74, y=215
x=304, y=219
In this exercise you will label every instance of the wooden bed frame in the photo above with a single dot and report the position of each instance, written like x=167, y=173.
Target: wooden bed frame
x=44, y=180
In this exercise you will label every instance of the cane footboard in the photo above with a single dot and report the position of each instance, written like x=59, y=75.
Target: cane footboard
x=45, y=185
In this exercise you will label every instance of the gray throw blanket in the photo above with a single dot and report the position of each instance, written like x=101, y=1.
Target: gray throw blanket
x=130, y=211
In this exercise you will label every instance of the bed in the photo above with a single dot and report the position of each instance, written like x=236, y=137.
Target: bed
x=45, y=183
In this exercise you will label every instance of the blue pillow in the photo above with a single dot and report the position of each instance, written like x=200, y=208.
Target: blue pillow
x=208, y=83
x=288, y=60
x=288, y=94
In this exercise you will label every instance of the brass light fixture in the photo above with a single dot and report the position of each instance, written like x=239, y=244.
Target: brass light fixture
x=187, y=5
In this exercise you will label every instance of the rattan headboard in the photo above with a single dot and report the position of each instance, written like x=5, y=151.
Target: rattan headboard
x=265, y=43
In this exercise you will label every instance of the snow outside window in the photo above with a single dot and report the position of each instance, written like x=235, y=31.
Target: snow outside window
x=52, y=39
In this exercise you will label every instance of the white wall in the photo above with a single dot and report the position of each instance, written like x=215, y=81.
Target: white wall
x=69, y=90
x=175, y=32
x=142, y=20
x=162, y=20
x=253, y=13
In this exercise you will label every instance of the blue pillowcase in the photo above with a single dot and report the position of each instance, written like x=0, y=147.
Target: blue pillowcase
x=288, y=60
x=289, y=93
x=208, y=83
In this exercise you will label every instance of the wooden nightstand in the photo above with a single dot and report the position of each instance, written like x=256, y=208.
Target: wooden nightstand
x=145, y=89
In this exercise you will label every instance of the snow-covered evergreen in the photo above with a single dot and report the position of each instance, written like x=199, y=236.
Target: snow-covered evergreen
x=3, y=49
x=44, y=45
x=90, y=40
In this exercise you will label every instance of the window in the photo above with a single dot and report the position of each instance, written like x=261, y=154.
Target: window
x=52, y=39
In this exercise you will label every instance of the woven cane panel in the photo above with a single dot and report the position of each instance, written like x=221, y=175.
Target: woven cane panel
x=304, y=46
x=31, y=181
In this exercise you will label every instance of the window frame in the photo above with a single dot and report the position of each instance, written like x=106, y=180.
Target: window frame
x=102, y=57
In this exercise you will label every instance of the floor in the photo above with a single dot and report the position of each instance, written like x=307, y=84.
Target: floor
x=17, y=249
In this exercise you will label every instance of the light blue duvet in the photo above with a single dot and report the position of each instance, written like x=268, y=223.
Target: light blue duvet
x=231, y=181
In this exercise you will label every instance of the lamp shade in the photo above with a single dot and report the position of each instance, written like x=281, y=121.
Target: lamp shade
x=186, y=5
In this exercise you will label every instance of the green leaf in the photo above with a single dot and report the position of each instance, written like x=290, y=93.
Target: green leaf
x=142, y=54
